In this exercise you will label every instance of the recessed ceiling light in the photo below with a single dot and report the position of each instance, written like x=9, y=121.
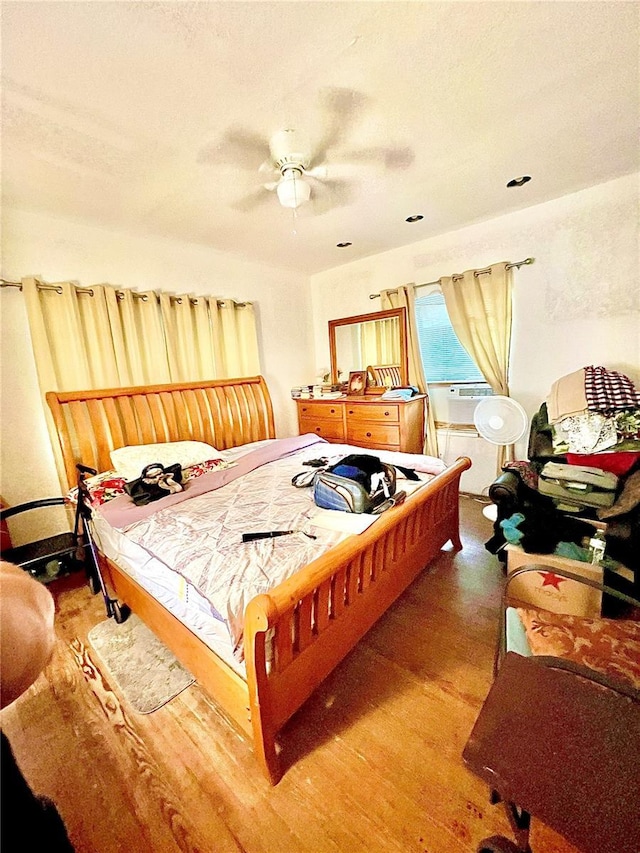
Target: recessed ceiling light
x=519, y=182
x=343, y=245
x=416, y=218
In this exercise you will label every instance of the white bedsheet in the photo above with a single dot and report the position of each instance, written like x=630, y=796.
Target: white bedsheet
x=179, y=597
x=191, y=557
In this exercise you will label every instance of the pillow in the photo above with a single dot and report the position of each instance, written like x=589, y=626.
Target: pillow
x=108, y=485
x=102, y=488
x=129, y=461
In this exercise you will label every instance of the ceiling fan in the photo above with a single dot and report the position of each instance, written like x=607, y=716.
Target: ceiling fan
x=289, y=168
x=292, y=162
x=300, y=173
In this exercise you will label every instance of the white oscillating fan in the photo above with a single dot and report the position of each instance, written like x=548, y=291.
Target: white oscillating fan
x=500, y=420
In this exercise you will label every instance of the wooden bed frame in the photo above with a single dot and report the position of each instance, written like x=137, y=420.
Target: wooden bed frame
x=315, y=617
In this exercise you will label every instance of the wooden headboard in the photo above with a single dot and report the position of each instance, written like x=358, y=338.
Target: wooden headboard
x=224, y=413
x=380, y=372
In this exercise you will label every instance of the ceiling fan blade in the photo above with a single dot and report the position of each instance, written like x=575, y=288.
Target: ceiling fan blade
x=389, y=158
x=271, y=186
x=321, y=173
x=339, y=170
x=342, y=108
x=327, y=195
x=267, y=168
x=238, y=147
x=252, y=200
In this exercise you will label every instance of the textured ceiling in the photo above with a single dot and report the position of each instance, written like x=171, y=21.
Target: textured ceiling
x=154, y=117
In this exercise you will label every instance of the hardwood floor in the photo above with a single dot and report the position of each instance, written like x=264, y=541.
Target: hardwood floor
x=374, y=757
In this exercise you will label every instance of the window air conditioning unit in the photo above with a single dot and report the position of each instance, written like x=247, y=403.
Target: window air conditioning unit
x=469, y=392
x=463, y=399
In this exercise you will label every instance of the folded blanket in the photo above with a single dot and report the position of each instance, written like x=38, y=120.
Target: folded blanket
x=567, y=396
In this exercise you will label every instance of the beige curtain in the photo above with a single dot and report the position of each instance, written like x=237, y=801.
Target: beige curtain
x=404, y=297
x=101, y=337
x=180, y=320
x=209, y=337
x=236, y=325
x=60, y=352
x=380, y=342
x=480, y=309
x=134, y=334
x=95, y=337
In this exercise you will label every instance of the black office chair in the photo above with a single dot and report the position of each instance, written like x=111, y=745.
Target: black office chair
x=54, y=556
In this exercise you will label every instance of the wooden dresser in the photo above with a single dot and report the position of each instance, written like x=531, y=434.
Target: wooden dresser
x=366, y=422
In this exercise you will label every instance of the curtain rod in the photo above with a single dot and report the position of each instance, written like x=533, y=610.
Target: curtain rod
x=120, y=294
x=458, y=277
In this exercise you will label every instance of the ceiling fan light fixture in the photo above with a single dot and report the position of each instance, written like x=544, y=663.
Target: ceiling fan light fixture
x=292, y=189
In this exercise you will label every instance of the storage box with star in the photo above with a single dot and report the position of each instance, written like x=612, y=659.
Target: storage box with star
x=548, y=590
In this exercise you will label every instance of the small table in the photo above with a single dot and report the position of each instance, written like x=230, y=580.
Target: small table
x=563, y=748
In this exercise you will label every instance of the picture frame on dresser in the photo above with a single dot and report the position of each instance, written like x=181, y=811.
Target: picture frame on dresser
x=357, y=382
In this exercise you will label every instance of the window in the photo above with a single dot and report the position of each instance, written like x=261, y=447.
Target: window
x=443, y=357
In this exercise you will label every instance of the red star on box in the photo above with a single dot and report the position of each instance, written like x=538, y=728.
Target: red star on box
x=549, y=579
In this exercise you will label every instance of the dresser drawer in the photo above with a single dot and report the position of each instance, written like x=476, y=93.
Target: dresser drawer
x=373, y=412
x=332, y=430
x=320, y=411
x=372, y=433
x=378, y=424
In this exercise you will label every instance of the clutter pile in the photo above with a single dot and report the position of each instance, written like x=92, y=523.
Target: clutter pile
x=583, y=471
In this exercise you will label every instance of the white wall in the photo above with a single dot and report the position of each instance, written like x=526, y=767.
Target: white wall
x=578, y=304
x=58, y=250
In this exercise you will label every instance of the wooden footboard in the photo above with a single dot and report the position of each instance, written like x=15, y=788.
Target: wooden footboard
x=317, y=616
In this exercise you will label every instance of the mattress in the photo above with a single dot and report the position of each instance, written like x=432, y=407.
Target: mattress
x=175, y=593
x=185, y=555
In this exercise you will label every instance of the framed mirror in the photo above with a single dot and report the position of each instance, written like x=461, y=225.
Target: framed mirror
x=375, y=343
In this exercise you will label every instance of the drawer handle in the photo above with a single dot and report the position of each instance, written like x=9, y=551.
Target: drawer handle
x=350, y=411
x=304, y=408
x=317, y=429
x=333, y=411
x=386, y=414
x=368, y=435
